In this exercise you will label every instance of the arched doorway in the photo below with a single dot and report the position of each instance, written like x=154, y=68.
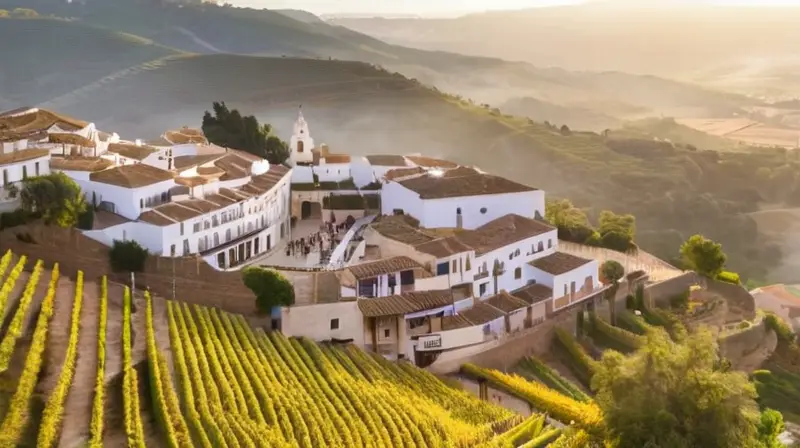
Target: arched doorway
x=305, y=210
x=310, y=210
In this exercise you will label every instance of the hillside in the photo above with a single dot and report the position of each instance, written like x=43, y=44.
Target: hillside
x=210, y=29
x=51, y=57
x=102, y=366
x=611, y=35
x=359, y=109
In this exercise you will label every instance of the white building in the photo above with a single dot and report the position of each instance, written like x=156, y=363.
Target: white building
x=301, y=143
x=458, y=198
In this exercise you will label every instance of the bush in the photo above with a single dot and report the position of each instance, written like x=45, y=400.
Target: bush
x=780, y=327
x=270, y=287
x=127, y=256
x=729, y=277
x=16, y=218
x=86, y=219
x=625, y=340
x=630, y=302
x=579, y=361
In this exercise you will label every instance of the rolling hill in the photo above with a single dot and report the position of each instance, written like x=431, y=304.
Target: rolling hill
x=209, y=29
x=360, y=108
x=708, y=43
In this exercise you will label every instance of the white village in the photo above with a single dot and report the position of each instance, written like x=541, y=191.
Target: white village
x=424, y=259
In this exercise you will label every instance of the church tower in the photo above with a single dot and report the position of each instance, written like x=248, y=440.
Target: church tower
x=301, y=142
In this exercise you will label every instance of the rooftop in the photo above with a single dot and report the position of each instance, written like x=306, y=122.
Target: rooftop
x=501, y=232
x=410, y=302
x=454, y=322
x=184, y=136
x=481, y=313
x=22, y=155
x=505, y=302
x=80, y=163
x=401, y=228
x=181, y=163
x=559, y=263
x=337, y=158
x=131, y=150
x=398, y=173
x=533, y=293
x=461, y=182
x=132, y=176
x=159, y=141
x=31, y=119
x=380, y=267
x=70, y=139
x=386, y=160
x=443, y=247
x=430, y=162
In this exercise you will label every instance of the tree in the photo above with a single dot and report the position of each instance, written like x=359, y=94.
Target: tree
x=670, y=394
x=270, y=287
x=571, y=222
x=611, y=271
x=56, y=197
x=228, y=128
x=616, y=231
x=703, y=256
x=127, y=256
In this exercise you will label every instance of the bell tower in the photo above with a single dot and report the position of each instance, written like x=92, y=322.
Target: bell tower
x=301, y=142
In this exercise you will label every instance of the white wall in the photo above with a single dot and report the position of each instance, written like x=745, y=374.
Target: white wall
x=444, y=212
x=151, y=237
x=516, y=319
x=13, y=171
x=314, y=321
x=332, y=172
x=395, y=196
x=516, y=256
x=563, y=282
x=361, y=171
x=458, y=273
x=127, y=201
x=451, y=339
x=431, y=283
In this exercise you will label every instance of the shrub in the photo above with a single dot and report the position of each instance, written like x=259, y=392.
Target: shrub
x=624, y=339
x=729, y=277
x=780, y=327
x=127, y=256
x=86, y=219
x=581, y=363
x=16, y=218
x=270, y=287
x=630, y=302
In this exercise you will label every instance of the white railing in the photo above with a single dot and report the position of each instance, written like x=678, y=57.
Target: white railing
x=338, y=255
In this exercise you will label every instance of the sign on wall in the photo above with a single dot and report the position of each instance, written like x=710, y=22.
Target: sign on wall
x=430, y=343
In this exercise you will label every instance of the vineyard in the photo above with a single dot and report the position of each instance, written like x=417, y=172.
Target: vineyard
x=90, y=363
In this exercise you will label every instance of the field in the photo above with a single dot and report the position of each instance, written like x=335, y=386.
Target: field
x=91, y=364
x=745, y=131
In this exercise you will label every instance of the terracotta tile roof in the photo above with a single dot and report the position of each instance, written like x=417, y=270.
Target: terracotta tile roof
x=210, y=171
x=533, y=293
x=22, y=155
x=264, y=182
x=80, y=163
x=558, y=263
x=184, y=136
x=481, y=313
x=399, y=228
x=443, y=247
x=131, y=150
x=181, y=163
x=461, y=182
x=397, y=173
x=104, y=219
x=245, y=155
x=159, y=141
x=337, y=158
x=431, y=162
x=234, y=167
x=155, y=218
x=17, y=136
x=170, y=213
x=410, y=302
x=454, y=322
x=191, y=181
x=19, y=121
x=132, y=176
x=386, y=160
x=380, y=267
x=501, y=232
x=70, y=139
x=505, y=302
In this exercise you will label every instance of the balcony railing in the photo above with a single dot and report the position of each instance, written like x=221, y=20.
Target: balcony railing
x=481, y=275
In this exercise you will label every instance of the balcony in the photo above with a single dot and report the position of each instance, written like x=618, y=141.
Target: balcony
x=481, y=275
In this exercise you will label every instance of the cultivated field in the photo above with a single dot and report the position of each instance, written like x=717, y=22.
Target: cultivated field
x=86, y=363
x=745, y=131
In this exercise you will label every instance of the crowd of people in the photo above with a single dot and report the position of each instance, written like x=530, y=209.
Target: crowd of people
x=325, y=239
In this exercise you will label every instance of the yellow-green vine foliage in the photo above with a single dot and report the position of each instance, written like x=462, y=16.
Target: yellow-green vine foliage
x=16, y=418
x=54, y=409
x=15, y=328
x=98, y=402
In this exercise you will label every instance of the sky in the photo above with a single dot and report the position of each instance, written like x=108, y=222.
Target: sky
x=450, y=7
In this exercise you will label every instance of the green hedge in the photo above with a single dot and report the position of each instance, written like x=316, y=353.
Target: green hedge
x=578, y=360
x=618, y=339
x=729, y=277
x=551, y=378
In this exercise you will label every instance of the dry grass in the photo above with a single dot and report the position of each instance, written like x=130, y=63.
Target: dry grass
x=716, y=126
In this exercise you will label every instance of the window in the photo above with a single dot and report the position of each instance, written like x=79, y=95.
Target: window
x=228, y=235
x=516, y=253
x=483, y=210
x=141, y=203
x=443, y=268
x=216, y=239
x=5, y=178
x=181, y=229
x=24, y=172
x=185, y=247
x=455, y=266
x=541, y=246
x=386, y=333
x=482, y=289
x=458, y=211
x=549, y=244
x=172, y=251
x=517, y=273
x=36, y=168
x=196, y=227
x=511, y=256
x=335, y=324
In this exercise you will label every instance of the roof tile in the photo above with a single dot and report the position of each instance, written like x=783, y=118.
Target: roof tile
x=558, y=263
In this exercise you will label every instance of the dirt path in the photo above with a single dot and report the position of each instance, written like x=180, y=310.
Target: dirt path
x=78, y=407
x=57, y=335
x=161, y=326
x=13, y=298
